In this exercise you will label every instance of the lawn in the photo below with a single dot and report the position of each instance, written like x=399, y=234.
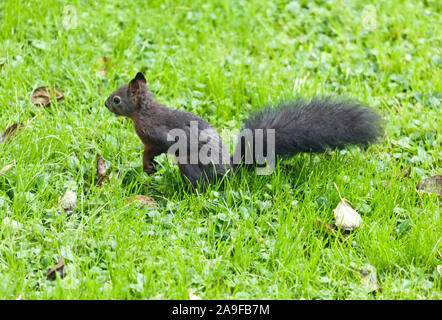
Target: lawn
x=254, y=237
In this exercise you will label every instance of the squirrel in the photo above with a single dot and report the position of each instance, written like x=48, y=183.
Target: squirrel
x=298, y=126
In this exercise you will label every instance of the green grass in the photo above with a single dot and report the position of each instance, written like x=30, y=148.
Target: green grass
x=256, y=236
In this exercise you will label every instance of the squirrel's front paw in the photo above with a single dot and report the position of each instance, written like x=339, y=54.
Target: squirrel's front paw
x=149, y=169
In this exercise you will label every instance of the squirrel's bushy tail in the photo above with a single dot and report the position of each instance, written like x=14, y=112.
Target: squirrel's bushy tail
x=313, y=126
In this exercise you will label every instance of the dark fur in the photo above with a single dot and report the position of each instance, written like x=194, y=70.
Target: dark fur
x=300, y=126
x=318, y=124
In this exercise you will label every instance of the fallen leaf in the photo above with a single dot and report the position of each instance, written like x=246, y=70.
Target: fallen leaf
x=6, y=168
x=101, y=169
x=39, y=44
x=69, y=202
x=192, y=296
x=346, y=216
x=432, y=185
x=10, y=131
x=159, y=296
x=11, y=223
x=406, y=172
x=59, y=267
x=145, y=200
x=114, y=175
x=369, y=279
x=325, y=226
x=101, y=65
x=42, y=95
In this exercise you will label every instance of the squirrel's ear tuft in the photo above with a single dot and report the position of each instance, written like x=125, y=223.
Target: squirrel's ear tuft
x=140, y=77
x=136, y=84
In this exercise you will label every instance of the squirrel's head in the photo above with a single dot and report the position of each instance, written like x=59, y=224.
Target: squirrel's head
x=128, y=99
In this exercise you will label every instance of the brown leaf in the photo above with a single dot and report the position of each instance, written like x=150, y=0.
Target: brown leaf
x=6, y=168
x=406, y=172
x=42, y=95
x=101, y=65
x=10, y=131
x=432, y=185
x=325, y=226
x=59, y=267
x=369, y=279
x=145, y=200
x=69, y=202
x=114, y=175
x=101, y=169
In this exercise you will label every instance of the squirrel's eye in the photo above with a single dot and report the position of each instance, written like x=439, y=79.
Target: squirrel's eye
x=117, y=100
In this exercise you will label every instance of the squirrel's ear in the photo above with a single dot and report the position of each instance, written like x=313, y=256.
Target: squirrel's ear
x=136, y=84
x=134, y=87
x=140, y=77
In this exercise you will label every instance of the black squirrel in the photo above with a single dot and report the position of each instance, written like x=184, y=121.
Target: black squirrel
x=298, y=126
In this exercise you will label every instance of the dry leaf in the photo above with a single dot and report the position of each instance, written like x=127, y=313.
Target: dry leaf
x=101, y=169
x=346, y=217
x=432, y=185
x=10, y=131
x=11, y=223
x=101, y=66
x=114, y=175
x=406, y=172
x=325, y=226
x=69, y=202
x=192, y=296
x=59, y=267
x=145, y=200
x=369, y=279
x=159, y=296
x=42, y=95
x=6, y=168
